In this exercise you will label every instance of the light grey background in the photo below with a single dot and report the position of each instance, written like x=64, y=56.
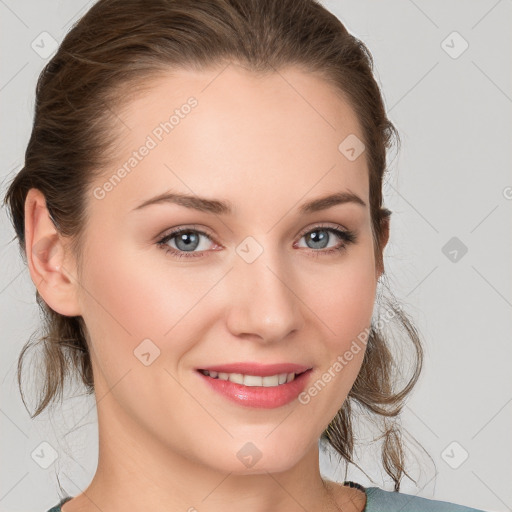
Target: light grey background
x=451, y=179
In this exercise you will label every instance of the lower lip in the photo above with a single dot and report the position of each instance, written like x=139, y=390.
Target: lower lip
x=259, y=396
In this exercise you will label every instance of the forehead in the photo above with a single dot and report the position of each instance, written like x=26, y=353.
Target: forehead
x=225, y=131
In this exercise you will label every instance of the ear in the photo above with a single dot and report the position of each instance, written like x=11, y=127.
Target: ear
x=384, y=238
x=47, y=258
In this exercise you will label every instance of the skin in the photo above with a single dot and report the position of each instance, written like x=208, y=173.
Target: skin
x=266, y=145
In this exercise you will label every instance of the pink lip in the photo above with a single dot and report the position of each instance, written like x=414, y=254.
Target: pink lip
x=259, y=396
x=260, y=370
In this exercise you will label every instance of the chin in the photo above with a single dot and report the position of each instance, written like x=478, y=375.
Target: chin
x=258, y=457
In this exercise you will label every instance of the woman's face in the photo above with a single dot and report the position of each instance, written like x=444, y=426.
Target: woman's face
x=262, y=283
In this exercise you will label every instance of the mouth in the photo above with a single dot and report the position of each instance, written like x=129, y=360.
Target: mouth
x=269, y=391
x=248, y=380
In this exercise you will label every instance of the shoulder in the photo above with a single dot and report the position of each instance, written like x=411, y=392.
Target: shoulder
x=56, y=508
x=379, y=500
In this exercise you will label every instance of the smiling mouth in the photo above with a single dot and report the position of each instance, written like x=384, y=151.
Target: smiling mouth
x=278, y=379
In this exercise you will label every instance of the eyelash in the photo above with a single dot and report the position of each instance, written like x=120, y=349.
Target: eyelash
x=348, y=236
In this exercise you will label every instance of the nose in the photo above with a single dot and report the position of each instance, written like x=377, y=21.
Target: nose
x=262, y=302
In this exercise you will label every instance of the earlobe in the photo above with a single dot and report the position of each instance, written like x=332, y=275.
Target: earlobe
x=46, y=257
x=385, y=230
x=383, y=241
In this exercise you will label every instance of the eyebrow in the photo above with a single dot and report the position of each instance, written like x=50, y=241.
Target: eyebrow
x=224, y=207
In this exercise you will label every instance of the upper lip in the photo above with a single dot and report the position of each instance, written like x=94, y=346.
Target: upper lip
x=257, y=369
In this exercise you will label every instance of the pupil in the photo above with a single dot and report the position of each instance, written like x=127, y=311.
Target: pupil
x=188, y=240
x=316, y=238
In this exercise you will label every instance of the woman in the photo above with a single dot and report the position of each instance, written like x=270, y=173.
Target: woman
x=201, y=211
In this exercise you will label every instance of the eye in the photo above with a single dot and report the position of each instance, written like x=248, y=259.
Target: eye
x=187, y=240
x=321, y=235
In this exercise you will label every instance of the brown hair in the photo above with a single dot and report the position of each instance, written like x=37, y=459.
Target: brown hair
x=105, y=59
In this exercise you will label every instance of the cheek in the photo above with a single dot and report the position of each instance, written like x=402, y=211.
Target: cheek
x=344, y=300
x=344, y=304
x=125, y=295
x=132, y=296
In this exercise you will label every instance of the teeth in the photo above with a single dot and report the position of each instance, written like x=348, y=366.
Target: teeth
x=237, y=378
x=252, y=380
